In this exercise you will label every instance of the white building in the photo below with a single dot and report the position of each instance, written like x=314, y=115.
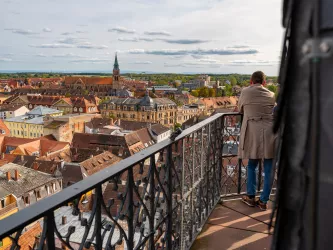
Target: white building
x=10, y=111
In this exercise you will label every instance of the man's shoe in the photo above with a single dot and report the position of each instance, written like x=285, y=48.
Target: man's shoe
x=261, y=205
x=248, y=201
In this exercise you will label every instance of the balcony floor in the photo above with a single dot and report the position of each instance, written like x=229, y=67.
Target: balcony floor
x=234, y=225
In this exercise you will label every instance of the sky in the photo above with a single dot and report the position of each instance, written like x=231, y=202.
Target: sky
x=172, y=36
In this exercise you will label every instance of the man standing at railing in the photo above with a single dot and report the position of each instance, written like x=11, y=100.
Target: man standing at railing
x=257, y=139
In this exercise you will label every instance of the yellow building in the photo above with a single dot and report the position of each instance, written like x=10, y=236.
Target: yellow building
x=30, y=125
x=146, y=109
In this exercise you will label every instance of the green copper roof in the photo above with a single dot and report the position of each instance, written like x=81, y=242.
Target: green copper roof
x=116, y=65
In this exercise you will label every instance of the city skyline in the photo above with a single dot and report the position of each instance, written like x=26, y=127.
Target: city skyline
x=216, y=36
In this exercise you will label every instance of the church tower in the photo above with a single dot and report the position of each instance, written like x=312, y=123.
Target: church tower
x=116, y=74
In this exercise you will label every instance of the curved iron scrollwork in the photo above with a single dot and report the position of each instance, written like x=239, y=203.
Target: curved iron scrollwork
x=158, y=201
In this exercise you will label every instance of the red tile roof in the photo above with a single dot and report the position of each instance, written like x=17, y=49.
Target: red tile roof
x=99, y=162
x=69, y=80
x=3, y=129
x=28, y=238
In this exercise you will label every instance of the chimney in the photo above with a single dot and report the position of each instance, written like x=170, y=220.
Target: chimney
x=35, y=165
x=8, y=176
x=62, y=164
x=63, y=220
x=17, y=175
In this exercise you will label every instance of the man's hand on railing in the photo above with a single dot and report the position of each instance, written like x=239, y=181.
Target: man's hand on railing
x=175, y=134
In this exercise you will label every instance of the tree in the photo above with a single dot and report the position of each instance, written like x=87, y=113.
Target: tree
x=212, y=92
x=195, y=93
x=233, y=80
x=272, y=88
x=112, y=116
x=177, y=125
x=204, y=92
x=228, y=90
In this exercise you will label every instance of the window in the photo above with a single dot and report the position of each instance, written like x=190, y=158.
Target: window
x=34, y=134
x=25, y=133
x=38, y=195
x=30, y=134
x=75, y=109
x=147, y=117
x=2, y=203
x=27, y=199
x=81, y=109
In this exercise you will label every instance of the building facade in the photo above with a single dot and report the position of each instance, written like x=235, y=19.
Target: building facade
x=9, y=111
x=146, y=109
x=30, y=125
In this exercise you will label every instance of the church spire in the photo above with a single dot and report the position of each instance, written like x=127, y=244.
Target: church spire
x=116, y=65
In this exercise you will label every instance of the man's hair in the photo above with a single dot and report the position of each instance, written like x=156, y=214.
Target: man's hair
x=258, y=77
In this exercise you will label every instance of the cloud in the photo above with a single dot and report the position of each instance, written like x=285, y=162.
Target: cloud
x=15, y=13
x=69, y=43
x=157, y=33
x=252, y=63
x=201, y=63
x=41, y=55
x=88, y=45
x=71, y=40
x=92, y=60
x=5, y=59
x=135, y=39
x=52, y=46
x=47, y=29
x=122, y=30
x=22, y=32
x=66, y=33
x=172, y=41
x=142, y=62
x=239, y=47
x=81, y=32
x=72, y=55
x=176, y=52
x=122, y=39
x=185, y=41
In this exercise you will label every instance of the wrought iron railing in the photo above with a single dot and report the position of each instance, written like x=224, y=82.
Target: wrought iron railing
x=159, y=198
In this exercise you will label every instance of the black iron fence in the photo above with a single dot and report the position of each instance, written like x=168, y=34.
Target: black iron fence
x=159, y=198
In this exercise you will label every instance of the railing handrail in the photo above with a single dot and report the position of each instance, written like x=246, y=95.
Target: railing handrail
x=38, y=210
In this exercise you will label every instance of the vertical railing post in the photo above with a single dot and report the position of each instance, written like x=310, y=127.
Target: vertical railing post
x=50, y=224
x=239, y=182
x=98, y=217
x=207, y=168
x=220, y=153
x=182, y=243
x=192, y=208
x=130, y=187
x=169, y=198
x=152, y=202
x=259, y=174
